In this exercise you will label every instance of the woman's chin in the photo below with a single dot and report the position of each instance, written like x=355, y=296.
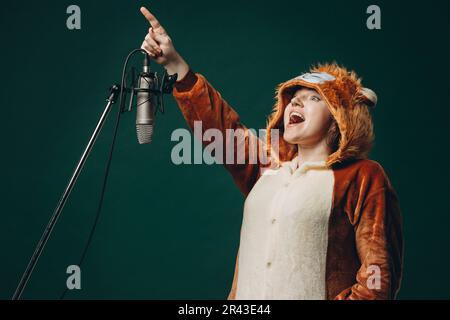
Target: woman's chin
x=292, y=138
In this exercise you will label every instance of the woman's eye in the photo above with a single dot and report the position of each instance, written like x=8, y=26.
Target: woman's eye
x=315, y=98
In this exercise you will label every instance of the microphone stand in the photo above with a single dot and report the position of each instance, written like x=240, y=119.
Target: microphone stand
x=155, y=86
x=51, y=224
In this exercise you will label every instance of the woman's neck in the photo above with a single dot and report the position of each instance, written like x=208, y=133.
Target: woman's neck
x=316, y=152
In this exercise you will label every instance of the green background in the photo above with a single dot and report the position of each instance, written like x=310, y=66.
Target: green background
x=172, y=232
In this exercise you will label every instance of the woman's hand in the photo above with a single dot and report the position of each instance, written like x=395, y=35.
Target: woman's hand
x=160, y=48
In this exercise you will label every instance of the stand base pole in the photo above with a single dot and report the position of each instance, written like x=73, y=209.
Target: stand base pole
x=51, y=224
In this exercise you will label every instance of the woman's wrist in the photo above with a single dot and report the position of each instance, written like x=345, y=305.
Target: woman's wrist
x=178, y=66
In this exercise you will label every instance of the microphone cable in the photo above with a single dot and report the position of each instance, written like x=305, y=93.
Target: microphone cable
x=108, y=165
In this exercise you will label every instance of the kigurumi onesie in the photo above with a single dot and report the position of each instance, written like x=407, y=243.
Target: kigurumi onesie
x=311, y=229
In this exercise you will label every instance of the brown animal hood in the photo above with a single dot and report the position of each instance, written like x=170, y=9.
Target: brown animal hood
x=348, y=102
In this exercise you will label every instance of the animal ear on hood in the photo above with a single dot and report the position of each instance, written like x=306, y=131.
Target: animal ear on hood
x=369, y=96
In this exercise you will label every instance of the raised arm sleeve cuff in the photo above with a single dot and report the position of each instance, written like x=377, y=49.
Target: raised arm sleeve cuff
x=187, y=82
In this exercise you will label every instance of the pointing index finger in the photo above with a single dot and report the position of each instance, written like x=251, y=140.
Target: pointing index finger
x=152, y=19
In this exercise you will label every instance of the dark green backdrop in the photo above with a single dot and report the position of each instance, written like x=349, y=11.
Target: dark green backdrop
x=172, y=232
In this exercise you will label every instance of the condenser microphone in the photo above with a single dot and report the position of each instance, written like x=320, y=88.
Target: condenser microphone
x=145, y=112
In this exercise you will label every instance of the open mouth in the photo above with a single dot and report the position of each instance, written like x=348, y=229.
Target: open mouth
x=296, y=117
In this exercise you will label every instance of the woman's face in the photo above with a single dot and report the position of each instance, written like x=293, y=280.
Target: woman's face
x=306, y=118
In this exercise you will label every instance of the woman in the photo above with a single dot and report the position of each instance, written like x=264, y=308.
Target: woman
x=321, y=221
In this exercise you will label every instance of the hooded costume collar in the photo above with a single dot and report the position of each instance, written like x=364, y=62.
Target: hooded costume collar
x=294, y=167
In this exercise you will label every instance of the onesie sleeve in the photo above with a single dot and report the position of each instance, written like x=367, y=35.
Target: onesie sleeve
x=198, y=100
x=378, y=235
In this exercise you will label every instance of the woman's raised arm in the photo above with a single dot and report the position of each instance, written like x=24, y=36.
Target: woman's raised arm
x=202, y=105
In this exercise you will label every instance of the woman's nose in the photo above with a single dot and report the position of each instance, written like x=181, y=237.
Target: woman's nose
x=296, y=102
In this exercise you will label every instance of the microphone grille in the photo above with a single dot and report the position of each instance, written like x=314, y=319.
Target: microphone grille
x=144, y=133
